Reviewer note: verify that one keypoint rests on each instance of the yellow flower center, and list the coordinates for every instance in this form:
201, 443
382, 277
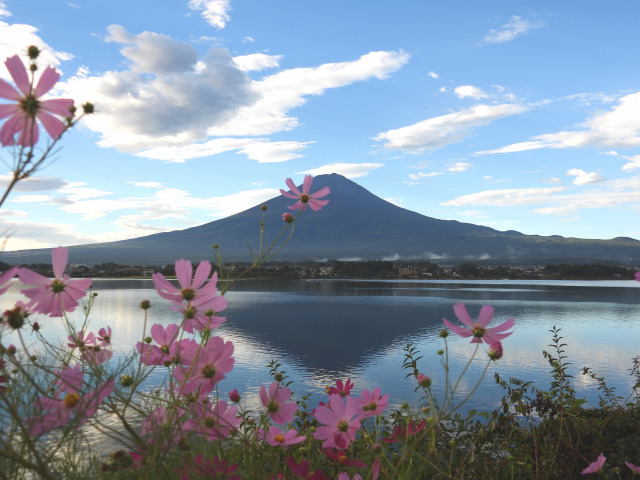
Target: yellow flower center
279, 438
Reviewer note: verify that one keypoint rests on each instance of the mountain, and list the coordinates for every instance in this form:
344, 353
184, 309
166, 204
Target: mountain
355, 224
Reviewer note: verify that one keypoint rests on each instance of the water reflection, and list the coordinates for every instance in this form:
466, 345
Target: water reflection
325, 330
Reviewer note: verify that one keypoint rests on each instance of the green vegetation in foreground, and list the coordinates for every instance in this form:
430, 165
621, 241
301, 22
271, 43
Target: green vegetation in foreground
536, 434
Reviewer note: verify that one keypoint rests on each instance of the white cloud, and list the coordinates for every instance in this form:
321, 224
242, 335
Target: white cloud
584, 178
551, 180
515, 27
608, 194
460, 167
470, 91
433, 75
146, 184
617, 128
271, 152
504, 198
215, 12
169, 104
349, 170
289, 89
634, 162
3, 10
16, 38
33, 184
437, 132
419, 175
257, 61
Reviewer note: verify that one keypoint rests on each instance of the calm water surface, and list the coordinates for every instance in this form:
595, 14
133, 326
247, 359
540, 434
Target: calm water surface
323, 330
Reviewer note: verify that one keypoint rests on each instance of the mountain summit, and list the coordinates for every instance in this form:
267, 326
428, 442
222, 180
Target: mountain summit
355, 224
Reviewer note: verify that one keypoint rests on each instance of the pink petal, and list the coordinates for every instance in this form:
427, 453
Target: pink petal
461, 312
316, 205
19, 74
202, 273
306, 185
289, 194
57, 106
463, 332
12, 126
184, 271
292, 187
59, 258
30, 134
53, 125
47, 80
503, 326
8, 91
9, 109
486, 314
323, 192
32, 278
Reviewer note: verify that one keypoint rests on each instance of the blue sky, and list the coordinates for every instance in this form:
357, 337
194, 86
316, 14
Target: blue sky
516, 115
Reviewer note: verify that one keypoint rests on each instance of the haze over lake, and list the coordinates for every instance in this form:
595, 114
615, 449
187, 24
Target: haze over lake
324, 330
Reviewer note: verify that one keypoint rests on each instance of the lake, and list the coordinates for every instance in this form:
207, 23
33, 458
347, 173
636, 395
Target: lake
324, 330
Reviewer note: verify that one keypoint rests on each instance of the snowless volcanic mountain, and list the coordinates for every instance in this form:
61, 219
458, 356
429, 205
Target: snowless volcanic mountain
355, 224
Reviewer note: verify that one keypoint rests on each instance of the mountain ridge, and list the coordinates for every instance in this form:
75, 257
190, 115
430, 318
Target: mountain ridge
356, 224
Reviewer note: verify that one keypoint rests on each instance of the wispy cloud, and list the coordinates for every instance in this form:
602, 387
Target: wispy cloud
617, 128
514, 28
470, 91
215, 12
436, 132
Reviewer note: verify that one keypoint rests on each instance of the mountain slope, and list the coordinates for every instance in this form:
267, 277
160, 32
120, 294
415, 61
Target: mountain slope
355, 224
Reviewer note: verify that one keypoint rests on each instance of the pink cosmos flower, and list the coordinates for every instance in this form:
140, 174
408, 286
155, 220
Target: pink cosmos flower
342, 389
595, 466
234, 396
213, 421
345, 476
637, 276
287, 218
96, 355
68, 402
304, 197
206, 369
191, 288
495, 351
403, 432
278, 408
277, 438
340, 422
478, 329
341, 457
29, 107
301, 470
81, 340
200, 314
167, 347
8, 275
632, 467
54, 297
372, 404
104, 336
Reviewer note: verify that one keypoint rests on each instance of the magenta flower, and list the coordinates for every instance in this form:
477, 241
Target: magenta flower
276, 403
595, 466
632, 467
345, 476
423, 380
403, 432
495, 351
277, 438
29, 107
191, 288
304, 197
302, 470
68, 403
287, 218
167, 347
234, 396
478, 330
104, 336
206, 369
213, 421
340, 422
372, 404
637, 276
342, 389
54, 297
